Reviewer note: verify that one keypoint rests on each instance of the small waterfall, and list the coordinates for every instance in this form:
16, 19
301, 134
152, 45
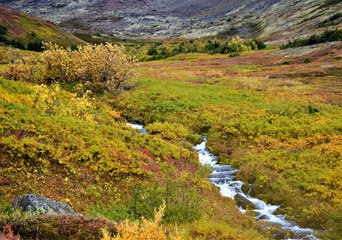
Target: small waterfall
223, 176
140, 127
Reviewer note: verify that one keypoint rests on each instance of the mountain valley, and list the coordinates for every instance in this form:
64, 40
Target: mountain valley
270, 19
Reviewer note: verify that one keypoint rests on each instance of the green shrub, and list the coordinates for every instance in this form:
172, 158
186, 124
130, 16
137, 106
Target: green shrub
114, 211
259, 43
180, 196
327, 36
36, 46
3, 29
308, 60
213, 46
234, 47
331, 2
145, 200
181, 199
168, 131
152, 51
332, 20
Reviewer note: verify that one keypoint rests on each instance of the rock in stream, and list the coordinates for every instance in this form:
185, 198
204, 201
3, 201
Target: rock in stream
243, 201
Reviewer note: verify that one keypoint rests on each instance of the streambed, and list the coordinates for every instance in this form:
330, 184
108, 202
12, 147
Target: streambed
223, 177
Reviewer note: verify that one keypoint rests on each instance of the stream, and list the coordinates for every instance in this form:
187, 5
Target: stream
223, 177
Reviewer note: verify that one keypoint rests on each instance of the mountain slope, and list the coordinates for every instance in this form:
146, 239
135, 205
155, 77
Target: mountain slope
24, 31
176, 18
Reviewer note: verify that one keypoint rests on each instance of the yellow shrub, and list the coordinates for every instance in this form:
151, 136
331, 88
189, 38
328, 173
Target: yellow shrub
140, 231
168, 131
97, 67
26, 69
103, 67
59, 64
114, 114
52, 100
9, 55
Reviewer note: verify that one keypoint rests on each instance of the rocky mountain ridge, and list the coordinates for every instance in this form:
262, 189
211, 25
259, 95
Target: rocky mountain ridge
270, 19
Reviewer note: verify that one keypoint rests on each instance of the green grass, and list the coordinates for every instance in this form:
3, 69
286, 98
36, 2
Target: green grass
98, 165
283, 140
281, 132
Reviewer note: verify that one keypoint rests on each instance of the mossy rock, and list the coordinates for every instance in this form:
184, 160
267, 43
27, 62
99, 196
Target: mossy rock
244, 202
36, 204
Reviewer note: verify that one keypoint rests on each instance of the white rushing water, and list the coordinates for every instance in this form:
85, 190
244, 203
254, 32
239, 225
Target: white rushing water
223, 176
140, 127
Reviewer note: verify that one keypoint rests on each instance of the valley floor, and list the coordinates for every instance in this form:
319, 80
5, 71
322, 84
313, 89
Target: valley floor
274, 114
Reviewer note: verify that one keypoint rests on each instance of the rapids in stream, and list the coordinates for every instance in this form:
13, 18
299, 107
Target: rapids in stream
223, 177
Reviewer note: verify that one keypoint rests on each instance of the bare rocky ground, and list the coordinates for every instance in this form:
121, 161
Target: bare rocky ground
270, 19
301, 51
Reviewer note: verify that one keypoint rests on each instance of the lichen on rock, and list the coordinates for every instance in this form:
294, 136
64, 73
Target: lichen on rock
36, 204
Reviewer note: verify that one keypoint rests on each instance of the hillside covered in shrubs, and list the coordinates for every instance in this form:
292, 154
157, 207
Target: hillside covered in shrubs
23, 31
326, 36
63, 137
272, 112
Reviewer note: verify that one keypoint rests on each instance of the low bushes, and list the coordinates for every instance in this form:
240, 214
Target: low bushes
177, 190
98, 68
327, 36
33, 45
168, 131
59, 227
148, 229
284, 144
233, 47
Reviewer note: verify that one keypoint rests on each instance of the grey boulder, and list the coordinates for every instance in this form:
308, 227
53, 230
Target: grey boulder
37, 204
243, 201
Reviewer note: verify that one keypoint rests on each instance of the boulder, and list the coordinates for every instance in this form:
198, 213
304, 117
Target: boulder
37, 204
280, 234
243, 201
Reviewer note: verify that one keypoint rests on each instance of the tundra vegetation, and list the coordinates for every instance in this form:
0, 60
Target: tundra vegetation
233, 47
326, 36
19, 30
63, 135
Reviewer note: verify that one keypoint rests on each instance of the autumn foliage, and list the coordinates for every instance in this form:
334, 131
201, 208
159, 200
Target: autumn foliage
280, 131
8, 234
97, 68
152, 229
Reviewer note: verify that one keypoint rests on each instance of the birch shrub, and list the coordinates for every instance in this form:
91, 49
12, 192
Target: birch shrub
98, 68
25, 68
103, 67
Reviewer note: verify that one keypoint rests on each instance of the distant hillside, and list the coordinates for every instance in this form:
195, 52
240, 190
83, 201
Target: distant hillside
23, 31
270, 19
